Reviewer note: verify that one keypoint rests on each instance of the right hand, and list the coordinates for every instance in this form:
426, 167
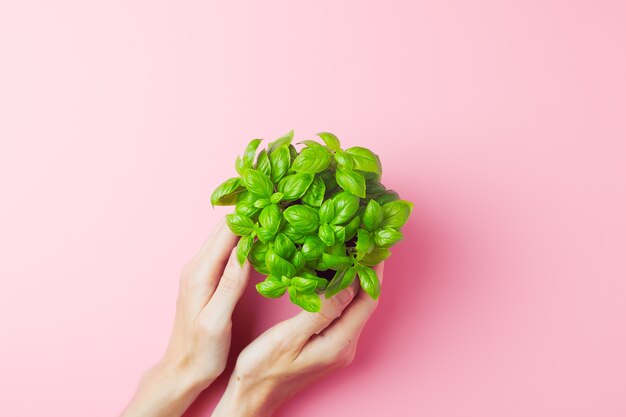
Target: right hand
295, 353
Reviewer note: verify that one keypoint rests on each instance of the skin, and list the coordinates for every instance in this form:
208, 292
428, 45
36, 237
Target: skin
276, 366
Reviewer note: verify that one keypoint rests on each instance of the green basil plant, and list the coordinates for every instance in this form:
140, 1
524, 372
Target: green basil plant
312, 220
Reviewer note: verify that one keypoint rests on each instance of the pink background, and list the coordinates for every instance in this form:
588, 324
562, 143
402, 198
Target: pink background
503, 121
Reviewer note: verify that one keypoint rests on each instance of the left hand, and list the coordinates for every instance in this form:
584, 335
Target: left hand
211, 284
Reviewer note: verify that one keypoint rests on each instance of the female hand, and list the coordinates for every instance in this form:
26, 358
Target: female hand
295, 353
211, 283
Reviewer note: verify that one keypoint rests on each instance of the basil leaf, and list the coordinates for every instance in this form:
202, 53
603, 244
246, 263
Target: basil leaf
326, 234
340, 281
293, 234
261, 202
250, 152
227, 192
245, 204
387, 197
336, 262
243, 248
352, 181
373, 216
369, 281
294, 186
303, 218
344, 160
263, 163
329, 180
280, 161
346, 206
352, 227
339, 248
272, 287
256, 256
365, 160
340, 233
264, 235
257, 183
314, 196
312, 160
304, 285
396, 213
313, 145
330, 140
276, 198
239, 224
309, 302
374, 189
364, 243
278, 265
270, 218
327, 211
312, 248
282, 141
386, 238
298, 261
283, 246
376, 256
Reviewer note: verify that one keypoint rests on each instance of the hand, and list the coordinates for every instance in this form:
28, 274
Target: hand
211, 283
295, 353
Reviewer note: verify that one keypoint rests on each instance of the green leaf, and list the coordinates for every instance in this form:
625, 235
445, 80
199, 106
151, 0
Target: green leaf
282, 141
250, 152
312, 160
336, 262
340, 281
340, 233
245, 204
293, 234
303, 284
256, 256
239, 224
314, 196
364, 243
344, 160
365, 160
263, 163
294, 186
352, 227
376, 256
227, 192
276, 198
369, 281
309, 302
313, 247
264, 235
351, 181
326, 234
302, 218
270, 218
339, 248
374, 189
346, 205
243, 248
262, 202
396, 213
386, 238
283, 246
298, 261
387, 197
240, 166
278, 265
327, 211
280, 162
272, 287
258, 183
373, 216
314, 145
330, 140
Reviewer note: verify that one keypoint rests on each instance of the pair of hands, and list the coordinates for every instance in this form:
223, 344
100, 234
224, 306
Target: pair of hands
273, 368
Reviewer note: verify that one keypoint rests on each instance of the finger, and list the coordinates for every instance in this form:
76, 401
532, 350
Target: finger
230, 288
346, 329
202, 273
305, 324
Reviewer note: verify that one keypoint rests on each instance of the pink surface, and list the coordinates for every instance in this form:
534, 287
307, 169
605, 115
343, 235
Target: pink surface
503, 121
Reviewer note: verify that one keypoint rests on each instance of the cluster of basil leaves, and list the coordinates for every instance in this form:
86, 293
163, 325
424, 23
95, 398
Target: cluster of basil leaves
320, 209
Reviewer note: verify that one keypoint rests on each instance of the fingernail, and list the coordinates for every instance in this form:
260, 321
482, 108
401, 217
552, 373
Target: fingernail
345, 295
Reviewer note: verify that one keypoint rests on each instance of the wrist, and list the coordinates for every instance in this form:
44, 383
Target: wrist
241, 401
